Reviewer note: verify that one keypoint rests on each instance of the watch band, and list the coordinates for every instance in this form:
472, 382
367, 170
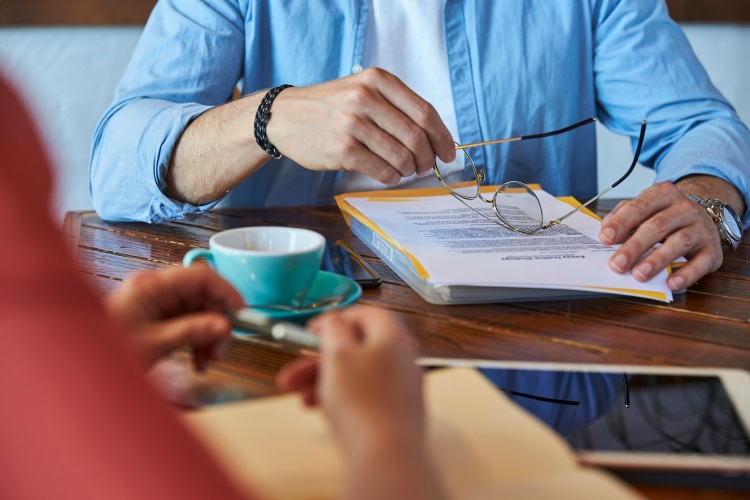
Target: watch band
725, 219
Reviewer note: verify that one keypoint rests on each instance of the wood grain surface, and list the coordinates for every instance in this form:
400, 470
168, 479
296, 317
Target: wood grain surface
707, 326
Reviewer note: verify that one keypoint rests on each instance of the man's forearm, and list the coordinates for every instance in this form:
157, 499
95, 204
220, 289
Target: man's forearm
708, 186
215, 152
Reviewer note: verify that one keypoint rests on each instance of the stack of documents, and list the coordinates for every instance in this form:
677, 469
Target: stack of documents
451, 255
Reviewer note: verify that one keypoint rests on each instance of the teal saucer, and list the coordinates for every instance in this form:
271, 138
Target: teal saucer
326, 285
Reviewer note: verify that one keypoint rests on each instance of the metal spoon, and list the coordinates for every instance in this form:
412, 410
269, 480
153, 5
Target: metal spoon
331, 301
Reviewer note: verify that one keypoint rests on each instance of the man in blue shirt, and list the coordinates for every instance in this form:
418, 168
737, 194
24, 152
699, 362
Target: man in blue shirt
172, 145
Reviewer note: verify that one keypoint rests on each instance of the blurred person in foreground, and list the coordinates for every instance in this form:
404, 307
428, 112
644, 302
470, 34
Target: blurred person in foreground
80, 421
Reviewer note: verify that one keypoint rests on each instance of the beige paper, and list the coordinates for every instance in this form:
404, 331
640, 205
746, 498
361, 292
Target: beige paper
482, 445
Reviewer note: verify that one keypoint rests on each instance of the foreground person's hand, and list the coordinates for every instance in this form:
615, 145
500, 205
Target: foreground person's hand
179, 307
370, 388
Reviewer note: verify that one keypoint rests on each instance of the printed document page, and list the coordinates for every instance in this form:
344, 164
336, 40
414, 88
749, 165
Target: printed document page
456, 246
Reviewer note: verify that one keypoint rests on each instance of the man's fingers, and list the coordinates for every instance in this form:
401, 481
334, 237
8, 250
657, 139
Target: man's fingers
673, 227
386, 129
369, 123
631, 214
376, 154
688, 240
417, 109
698, 266
655, 215
662, 214
410, 137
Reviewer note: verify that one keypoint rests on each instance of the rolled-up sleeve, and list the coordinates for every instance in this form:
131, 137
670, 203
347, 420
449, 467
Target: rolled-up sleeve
646, 69
188, 60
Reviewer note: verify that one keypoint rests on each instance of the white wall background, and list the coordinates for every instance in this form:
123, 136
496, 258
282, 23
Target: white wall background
724, 51
68, 76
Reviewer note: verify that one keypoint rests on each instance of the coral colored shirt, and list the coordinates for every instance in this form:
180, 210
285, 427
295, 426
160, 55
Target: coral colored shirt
77, 420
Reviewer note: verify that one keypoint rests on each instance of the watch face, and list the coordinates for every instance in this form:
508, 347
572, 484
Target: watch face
732, 222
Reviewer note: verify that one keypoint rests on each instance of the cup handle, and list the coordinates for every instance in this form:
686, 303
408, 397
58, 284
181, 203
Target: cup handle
198, 253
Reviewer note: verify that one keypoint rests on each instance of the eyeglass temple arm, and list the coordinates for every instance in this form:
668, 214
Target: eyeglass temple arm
541, 398
627, 174
532, 136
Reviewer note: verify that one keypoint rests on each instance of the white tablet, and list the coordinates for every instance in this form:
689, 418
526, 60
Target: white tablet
644, 423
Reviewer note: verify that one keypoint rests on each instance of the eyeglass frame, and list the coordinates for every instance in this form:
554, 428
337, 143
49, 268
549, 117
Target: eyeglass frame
479, 177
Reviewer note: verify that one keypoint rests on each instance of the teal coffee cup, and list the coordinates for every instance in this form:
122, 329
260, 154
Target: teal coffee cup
267, 265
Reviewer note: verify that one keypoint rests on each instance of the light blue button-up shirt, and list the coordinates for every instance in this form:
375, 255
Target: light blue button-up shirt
515, 68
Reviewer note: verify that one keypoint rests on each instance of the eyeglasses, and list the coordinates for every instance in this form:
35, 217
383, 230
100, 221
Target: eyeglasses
525, 214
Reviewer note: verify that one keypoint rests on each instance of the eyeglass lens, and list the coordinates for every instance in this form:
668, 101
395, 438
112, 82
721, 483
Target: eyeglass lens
518, 207
514, 203
463, 186
520, 212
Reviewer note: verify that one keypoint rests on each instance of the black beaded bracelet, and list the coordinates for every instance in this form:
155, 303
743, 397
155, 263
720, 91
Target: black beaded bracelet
261, 117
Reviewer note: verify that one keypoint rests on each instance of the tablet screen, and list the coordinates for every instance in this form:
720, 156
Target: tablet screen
621, 412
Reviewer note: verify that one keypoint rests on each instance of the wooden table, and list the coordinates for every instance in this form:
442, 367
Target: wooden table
709, 325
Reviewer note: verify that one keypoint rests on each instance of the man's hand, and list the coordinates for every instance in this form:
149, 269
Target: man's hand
179, 307
663, 214
369, 122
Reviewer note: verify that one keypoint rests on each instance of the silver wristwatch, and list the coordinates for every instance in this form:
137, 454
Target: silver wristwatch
726, 219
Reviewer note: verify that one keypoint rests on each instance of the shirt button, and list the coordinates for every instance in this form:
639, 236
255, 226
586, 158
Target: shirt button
356, 68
